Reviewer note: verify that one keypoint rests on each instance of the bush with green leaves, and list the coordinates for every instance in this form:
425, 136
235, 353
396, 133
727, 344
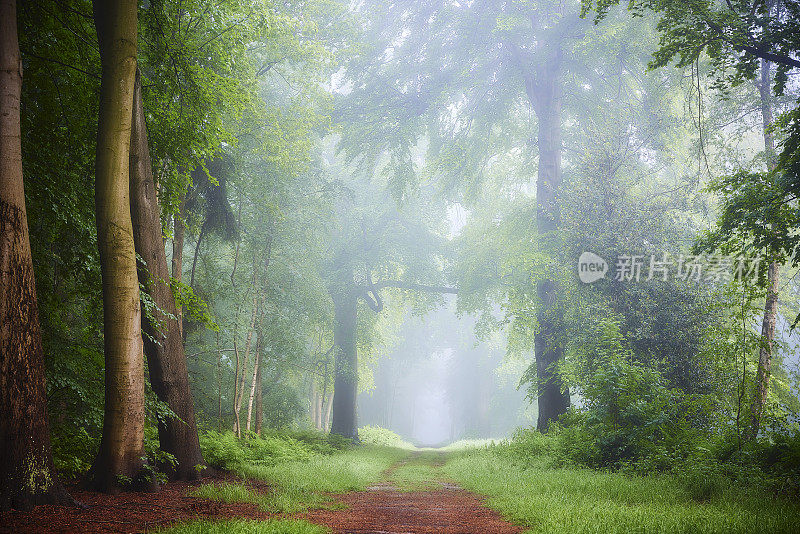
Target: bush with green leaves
224, 450
628, 413
376, 435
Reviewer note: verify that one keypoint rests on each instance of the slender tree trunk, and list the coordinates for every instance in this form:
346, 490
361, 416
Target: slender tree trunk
196, 254
326, 424
346, 368
312, 403
219, 386
255, 379
238, 392
319, 411
773, 274
163, 346
122, 443
178, 239
259, 401
27, 475
544, 92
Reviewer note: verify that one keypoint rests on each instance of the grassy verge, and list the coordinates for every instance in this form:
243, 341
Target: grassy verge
298, 485
583, 500
421, 472
281, 526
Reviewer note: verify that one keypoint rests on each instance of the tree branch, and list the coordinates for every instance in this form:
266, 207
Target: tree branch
415, 287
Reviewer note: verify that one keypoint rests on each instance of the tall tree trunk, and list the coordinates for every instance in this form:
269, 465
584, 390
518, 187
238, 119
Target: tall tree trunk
346, 367
255, 378
326, 422
163, 345
544, 92
196, 254
773, 274
178, 239
27, 475
312, 403
122, 443
259, 401
239, 380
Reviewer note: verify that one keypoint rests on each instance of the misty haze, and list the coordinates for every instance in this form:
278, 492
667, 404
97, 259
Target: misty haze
430, 266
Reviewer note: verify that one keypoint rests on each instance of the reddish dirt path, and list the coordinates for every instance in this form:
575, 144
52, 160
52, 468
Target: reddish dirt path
127, 512
384, 510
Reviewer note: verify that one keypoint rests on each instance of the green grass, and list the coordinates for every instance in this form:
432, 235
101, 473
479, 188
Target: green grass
583, 500
421, 472
351, 470
277, 526
296, 486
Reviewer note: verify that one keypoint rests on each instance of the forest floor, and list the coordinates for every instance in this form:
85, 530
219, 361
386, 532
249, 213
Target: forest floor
389, 490
411, 496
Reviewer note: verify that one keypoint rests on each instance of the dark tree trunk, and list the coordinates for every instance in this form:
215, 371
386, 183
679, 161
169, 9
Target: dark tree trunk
27, 475
346, 377
163, 345
544, 92
122, 446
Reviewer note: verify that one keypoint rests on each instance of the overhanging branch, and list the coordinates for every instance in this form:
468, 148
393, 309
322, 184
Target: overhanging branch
415, 287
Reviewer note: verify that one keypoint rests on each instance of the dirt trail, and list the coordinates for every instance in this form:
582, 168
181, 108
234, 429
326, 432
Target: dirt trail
386, 509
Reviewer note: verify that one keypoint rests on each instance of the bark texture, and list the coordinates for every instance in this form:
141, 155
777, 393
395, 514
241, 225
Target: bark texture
27, 475
122, 444
163, 344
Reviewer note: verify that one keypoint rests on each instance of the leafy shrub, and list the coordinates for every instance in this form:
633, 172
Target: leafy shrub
629, 416
376, 435
222, 450
73, 451
320, 442
226, 451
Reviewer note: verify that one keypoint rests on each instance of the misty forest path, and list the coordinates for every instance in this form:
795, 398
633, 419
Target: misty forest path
414, 496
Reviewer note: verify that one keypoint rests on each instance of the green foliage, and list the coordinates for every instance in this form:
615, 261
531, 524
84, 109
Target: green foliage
74, 451
628, 413
375, 435
226, 451
195, 307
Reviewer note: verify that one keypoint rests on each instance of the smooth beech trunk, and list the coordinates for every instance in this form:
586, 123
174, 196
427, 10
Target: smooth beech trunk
346, 357
259, 401
122, 444
163, 344
326, 423
773, 274
27, 475
254, 382
544, 92
241, 370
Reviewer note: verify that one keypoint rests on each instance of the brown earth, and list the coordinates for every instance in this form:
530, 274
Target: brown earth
127, 512
450, 510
